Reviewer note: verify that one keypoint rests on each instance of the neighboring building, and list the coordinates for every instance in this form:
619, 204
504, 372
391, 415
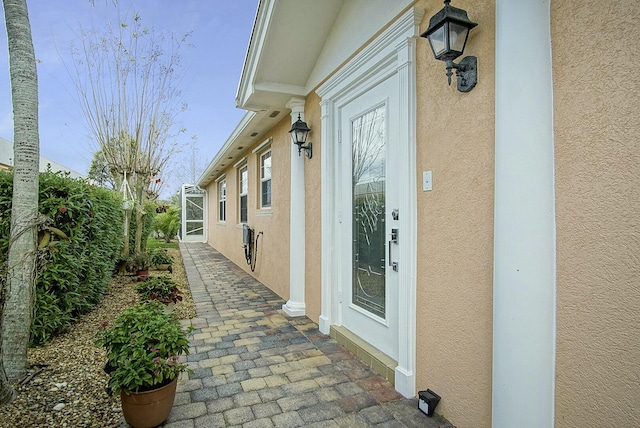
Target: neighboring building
499, 266
6, 161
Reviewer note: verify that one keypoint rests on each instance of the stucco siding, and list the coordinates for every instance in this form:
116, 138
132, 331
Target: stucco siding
455, 140
272, 264
597, 130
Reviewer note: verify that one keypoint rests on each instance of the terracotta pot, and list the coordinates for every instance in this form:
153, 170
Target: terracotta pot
148, 409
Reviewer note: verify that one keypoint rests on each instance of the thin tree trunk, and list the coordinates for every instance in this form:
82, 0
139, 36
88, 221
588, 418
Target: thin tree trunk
18, 307
6, 392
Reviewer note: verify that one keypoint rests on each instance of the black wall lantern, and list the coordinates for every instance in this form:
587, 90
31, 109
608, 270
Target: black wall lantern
299, 132
447, 34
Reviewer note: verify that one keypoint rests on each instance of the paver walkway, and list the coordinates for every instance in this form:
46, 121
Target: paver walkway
253, 366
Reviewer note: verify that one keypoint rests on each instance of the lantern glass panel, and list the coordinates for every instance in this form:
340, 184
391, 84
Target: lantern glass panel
437, 41
457, 36
299, 136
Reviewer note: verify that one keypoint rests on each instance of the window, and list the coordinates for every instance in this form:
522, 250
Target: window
222, 200
265, 179
244, 190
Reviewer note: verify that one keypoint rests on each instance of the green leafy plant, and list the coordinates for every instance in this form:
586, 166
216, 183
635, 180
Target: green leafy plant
139, 261
160, 258
143, 348
77, 248
160, 288
168, 223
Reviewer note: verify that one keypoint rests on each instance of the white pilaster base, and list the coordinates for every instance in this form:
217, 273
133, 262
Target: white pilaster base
294, 309
324, 325
405, 382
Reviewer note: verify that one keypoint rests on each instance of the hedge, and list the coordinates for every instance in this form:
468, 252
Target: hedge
77, 269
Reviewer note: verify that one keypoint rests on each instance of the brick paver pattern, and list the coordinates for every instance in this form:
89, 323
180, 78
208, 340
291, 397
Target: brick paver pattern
253, 366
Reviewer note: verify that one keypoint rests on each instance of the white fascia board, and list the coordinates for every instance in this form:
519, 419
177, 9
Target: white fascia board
224, 150
256, 45
281, 88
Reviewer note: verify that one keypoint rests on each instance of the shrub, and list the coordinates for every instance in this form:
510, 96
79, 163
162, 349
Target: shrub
160, 258
77, 270
139, 261
160, 288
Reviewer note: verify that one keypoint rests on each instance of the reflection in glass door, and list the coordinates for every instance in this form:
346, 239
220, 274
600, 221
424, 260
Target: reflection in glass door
368, 191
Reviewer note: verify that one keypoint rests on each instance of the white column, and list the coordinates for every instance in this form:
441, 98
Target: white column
524, 224
295, 306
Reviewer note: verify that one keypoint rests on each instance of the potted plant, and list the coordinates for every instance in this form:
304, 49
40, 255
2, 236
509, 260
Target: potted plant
139, 263
160, 288
143, 347
161, 260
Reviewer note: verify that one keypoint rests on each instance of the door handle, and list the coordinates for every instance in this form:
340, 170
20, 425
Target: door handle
393, 240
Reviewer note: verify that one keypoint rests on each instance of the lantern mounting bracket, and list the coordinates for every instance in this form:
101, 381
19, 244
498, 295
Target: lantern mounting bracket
466, 72
307, 149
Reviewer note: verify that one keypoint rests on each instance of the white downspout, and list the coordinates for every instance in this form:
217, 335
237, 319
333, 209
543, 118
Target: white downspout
524, 225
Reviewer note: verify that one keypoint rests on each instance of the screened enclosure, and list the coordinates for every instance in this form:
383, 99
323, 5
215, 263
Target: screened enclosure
193, 214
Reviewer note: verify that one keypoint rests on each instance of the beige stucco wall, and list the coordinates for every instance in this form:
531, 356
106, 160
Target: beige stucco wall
597, 135
272, 266
455, 140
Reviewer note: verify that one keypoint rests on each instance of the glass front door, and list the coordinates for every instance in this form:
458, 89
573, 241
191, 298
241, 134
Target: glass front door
369, 194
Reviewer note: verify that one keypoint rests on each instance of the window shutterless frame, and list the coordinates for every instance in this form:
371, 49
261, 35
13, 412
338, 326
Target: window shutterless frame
243, 186
265, 179
222, 200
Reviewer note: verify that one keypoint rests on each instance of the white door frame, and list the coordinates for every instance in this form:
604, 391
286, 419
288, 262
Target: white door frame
186, 189
392, 52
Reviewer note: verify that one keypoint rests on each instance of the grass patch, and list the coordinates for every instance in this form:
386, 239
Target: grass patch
153, 244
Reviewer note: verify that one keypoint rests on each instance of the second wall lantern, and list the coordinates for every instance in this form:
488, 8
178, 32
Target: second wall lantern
299, 132
447, 34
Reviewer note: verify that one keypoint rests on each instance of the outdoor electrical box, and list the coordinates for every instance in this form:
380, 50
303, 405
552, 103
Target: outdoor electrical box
247, 235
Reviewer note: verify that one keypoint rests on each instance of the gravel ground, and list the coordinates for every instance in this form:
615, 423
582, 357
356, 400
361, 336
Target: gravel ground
65, 385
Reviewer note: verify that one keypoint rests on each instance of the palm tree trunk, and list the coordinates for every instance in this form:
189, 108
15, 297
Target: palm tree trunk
6, 392
24, 208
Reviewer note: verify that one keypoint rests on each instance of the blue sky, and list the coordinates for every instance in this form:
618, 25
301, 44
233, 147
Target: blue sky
211, 68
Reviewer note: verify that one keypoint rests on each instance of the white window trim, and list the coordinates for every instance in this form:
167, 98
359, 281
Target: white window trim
242, 166
262, 179
219, 183
262, 145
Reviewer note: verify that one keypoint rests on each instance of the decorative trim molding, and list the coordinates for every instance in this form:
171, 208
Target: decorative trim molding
240, 163
391, 53
262, 145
